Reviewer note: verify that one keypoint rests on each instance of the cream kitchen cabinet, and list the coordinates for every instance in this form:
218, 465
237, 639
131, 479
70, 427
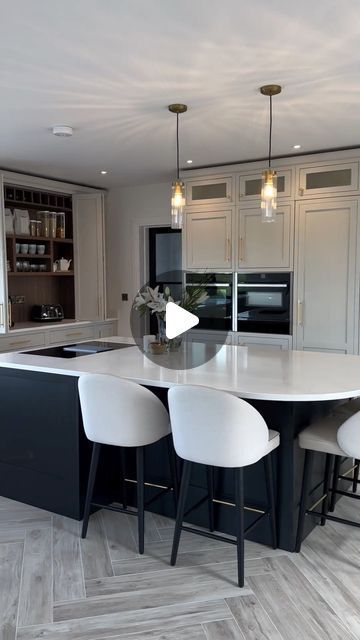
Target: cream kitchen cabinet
208, 239
326, 284
249, 186
265, 246
209, 191
327, 179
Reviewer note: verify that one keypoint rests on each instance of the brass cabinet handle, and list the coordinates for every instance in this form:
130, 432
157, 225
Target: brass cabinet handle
2, 314
240, 249
228, 250
74, 334
301, 191
19, 343
300, 313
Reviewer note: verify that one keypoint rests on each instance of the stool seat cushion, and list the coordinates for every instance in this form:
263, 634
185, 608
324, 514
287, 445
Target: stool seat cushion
274, 440
349, 436
322, 435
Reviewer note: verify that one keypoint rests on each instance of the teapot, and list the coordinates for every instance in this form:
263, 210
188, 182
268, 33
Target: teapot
63, 264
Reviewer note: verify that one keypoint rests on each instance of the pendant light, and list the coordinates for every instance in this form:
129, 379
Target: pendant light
269, 176
178, 188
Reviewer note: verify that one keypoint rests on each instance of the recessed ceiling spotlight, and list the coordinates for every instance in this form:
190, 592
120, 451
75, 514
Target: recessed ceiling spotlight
62, 130
297, 146
189, 161
103, 172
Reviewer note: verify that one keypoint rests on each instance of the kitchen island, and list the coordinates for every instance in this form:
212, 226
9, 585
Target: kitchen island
44, 455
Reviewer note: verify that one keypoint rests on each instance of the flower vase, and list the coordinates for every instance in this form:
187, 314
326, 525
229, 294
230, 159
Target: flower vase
161, 336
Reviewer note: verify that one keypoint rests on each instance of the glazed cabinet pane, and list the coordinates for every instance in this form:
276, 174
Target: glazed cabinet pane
209, 191
328, 179
208, 239
249, 186
265, 245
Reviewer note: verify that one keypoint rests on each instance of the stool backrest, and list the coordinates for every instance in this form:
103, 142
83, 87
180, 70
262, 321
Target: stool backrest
348, 436
121, 413
216, 428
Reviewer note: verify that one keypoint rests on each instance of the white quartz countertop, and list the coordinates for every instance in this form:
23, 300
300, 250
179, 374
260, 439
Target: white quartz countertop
249, 372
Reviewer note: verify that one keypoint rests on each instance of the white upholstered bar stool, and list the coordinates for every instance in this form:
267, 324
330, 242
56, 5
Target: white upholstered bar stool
217, 429
347, 409
123, 414
338, 437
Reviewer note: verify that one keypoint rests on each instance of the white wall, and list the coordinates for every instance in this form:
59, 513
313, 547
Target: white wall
129, 209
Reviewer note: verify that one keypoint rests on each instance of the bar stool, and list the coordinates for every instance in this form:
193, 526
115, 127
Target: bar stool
338, 437
217, 429
347, 409
123, 414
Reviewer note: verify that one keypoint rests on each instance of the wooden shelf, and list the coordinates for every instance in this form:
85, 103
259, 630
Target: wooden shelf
36, 206
37, 256
26, 274
39, 238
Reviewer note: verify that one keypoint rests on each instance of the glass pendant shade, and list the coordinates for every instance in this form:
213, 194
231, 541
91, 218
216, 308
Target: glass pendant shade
268, 195
177, 204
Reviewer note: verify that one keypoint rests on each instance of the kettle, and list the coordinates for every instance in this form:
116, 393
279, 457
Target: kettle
62, 264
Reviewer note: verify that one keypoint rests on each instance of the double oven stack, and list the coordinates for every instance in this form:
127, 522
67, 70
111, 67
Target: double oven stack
246, 302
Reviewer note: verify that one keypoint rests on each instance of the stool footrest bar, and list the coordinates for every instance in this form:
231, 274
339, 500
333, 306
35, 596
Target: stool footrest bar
333, 518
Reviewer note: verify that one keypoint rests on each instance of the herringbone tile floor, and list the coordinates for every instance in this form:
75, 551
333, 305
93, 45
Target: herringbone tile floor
55, 586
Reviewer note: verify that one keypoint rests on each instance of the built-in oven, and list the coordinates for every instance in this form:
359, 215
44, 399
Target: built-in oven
264, 302
216, 312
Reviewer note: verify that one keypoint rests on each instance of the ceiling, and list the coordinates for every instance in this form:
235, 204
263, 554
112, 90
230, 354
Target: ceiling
110, 68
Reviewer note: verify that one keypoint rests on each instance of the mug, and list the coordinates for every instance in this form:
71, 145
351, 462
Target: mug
24, 248
41, 249
32, 249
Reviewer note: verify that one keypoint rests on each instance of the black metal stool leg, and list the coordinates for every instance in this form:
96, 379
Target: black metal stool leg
271, 497
240, 537
356, 476
90, 486
185, 479
173, 469
210, 487
327, 477
308, 464
123, 476
335, 482
140, 495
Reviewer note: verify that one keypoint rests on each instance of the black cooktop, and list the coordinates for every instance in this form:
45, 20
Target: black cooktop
76, 350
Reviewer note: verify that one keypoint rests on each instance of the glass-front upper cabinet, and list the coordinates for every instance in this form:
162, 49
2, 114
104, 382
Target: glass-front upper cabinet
209, 191
249, 185
328, 179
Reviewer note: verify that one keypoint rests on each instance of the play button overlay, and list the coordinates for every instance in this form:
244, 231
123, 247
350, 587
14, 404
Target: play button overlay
174, 321
178, 320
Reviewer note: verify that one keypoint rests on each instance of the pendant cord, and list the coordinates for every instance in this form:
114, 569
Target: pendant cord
177, 146
270, 131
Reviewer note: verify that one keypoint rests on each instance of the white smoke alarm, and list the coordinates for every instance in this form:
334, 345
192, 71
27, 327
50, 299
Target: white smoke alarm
62, 130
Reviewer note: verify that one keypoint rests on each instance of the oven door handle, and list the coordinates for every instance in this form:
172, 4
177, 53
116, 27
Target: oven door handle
247, 285
206, 286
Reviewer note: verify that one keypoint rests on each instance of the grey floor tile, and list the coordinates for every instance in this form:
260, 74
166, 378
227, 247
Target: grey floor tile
11, 556
120, 624
252, 619
35, 605
68, 572
223, 630
94, 550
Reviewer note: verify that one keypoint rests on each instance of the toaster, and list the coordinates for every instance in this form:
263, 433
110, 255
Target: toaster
47, 312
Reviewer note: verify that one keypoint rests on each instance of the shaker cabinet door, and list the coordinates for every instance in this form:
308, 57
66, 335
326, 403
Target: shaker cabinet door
324, 302
88, 210
263, 245
208, 239
3, 263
